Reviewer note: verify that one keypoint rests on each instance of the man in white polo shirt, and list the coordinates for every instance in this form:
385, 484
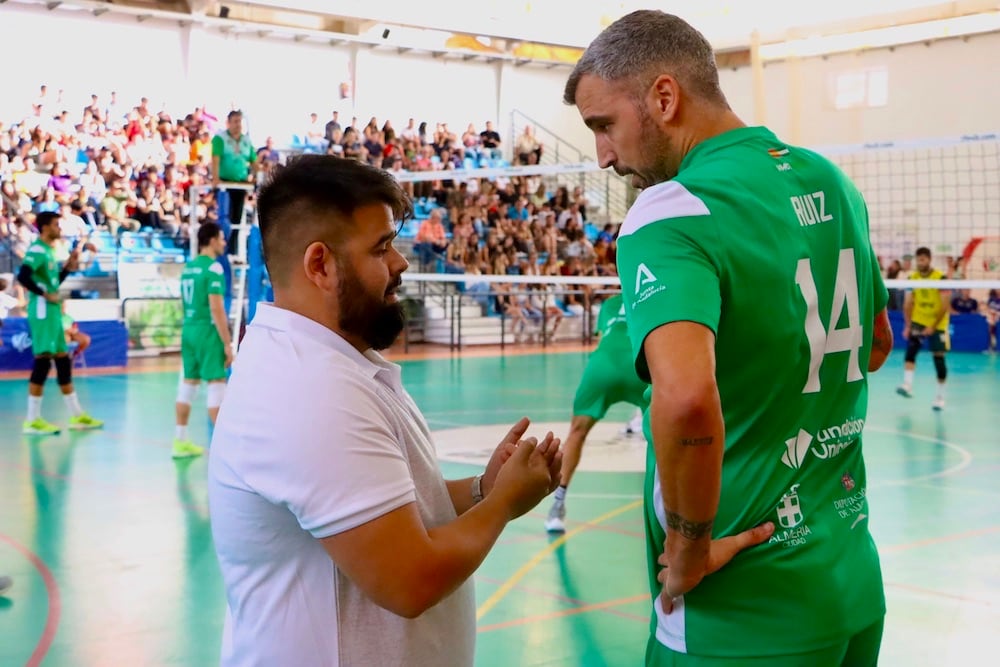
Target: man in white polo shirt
340, 542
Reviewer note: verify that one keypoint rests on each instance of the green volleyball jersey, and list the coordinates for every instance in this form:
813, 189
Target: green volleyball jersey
201, 277
611, 320
767, 245
41, 259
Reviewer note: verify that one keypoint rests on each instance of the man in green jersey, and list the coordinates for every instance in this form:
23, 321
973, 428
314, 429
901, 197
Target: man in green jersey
755, 309
41, 276
206, 348
608, 379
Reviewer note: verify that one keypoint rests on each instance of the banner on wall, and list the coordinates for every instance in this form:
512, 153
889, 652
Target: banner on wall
148, 277
108, 344
154, 325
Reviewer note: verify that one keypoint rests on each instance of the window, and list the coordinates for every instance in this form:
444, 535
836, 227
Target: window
860, 88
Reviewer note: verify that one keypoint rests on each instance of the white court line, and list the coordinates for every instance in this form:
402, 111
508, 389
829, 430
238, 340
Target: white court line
947, 472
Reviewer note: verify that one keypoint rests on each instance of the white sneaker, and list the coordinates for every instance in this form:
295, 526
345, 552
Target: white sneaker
905, 390
634, 426
938, 404
555, 522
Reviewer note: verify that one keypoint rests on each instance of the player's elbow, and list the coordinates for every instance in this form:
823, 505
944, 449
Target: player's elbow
685, 403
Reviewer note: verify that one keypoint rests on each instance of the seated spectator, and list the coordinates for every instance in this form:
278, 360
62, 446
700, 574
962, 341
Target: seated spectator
964, 303
431, 238
115, 207
528, 147
490, 141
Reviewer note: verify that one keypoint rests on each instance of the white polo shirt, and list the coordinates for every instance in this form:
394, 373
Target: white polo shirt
313, 439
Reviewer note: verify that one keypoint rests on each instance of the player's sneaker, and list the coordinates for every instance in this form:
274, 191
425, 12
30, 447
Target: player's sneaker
6, 583
634, 426
905, 390
40, 427
84, 422
555, 522
185, 449
938, 404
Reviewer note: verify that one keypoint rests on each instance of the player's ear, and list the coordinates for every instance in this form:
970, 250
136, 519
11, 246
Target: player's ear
320, 266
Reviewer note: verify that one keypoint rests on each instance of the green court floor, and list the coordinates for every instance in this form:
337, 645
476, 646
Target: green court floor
109, 544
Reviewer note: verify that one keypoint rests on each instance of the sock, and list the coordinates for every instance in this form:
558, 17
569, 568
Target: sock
941, 386
73, 403
181, 433
34, 408
560, 494
908, 378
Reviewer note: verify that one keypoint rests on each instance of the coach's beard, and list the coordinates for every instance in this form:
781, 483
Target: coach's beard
374, 321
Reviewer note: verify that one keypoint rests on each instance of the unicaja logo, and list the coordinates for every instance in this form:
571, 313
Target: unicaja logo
849, 429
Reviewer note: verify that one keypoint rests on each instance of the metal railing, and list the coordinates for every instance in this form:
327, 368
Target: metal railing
605, 190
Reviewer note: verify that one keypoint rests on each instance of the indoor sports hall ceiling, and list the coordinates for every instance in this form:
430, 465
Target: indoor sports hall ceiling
555, 31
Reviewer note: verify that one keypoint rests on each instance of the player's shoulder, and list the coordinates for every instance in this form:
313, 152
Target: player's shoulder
664, 201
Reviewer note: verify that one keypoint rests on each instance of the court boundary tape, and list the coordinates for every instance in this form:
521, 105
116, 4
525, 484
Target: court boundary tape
533, 562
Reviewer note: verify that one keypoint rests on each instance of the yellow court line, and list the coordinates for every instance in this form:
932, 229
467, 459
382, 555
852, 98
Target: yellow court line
508, 585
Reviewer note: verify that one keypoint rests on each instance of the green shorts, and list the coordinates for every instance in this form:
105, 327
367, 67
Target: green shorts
607, 379
47, 334
203, 353
861, 650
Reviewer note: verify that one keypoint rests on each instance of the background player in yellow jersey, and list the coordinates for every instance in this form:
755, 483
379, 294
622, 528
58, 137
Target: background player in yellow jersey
925, 315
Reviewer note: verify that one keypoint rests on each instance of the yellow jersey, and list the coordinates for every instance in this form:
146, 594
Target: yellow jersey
927, 303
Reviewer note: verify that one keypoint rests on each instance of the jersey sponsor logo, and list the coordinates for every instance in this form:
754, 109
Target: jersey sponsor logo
783, 166
810, 208
791, 518
830, 442
847, 481
790, 509
646, 284
852, 507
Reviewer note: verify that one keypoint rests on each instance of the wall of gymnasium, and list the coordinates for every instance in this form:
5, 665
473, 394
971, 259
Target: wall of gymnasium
938, 90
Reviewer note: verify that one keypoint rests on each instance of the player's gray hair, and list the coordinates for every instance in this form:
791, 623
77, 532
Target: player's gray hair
645, 44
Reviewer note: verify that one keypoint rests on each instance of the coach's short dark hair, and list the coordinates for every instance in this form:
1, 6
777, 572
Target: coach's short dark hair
208, 232
233, 114
924, 251
313, 198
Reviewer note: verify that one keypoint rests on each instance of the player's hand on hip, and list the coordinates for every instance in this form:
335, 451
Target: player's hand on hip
525, 479
929, 331
685, 565
53, 297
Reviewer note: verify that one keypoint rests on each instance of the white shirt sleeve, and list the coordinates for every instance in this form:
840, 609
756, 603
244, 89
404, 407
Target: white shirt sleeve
342, 464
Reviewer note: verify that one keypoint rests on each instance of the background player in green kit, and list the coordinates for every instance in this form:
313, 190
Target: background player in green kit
609, 378
206, 348
756, 309
41, 276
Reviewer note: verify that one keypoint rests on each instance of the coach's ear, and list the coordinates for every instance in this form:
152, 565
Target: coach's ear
320, 266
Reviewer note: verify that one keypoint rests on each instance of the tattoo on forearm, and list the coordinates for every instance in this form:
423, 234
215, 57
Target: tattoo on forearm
692, 530
696, 442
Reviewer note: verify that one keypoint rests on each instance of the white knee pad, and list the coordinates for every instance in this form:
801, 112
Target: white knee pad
216, 390
186, 392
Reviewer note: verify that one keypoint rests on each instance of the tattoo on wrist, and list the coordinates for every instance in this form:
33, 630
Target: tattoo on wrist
697, 442
692, 530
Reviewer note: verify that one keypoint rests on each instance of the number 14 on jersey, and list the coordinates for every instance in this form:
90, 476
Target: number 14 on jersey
829, 339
